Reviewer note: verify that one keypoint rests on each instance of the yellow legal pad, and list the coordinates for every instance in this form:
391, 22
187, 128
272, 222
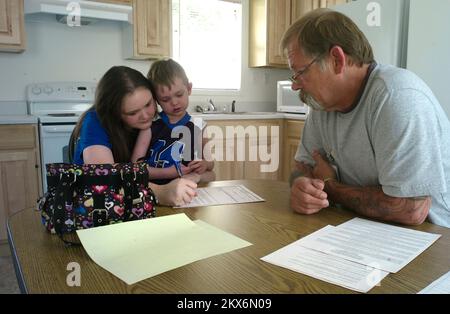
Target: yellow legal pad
137, 250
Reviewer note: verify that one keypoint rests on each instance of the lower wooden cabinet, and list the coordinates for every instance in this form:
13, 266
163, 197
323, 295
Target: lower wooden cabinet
250, 150
19, 171
291, 139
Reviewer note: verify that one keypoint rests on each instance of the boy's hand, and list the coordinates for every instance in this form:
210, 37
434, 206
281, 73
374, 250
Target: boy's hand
185, 169
198, 166
193, 177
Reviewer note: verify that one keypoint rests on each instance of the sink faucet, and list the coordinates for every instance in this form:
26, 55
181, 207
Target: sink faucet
211, 105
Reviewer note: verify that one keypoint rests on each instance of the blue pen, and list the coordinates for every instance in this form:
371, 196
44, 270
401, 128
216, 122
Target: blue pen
178, 167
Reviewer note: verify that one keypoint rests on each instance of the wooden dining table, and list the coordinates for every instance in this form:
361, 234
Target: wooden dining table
41, 259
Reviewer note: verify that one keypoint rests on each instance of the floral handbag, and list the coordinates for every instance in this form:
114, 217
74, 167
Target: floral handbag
85, 196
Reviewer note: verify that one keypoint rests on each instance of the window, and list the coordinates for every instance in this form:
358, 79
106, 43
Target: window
207, 42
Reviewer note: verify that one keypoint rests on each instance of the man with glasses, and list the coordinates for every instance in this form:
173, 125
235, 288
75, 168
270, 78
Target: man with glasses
377, 141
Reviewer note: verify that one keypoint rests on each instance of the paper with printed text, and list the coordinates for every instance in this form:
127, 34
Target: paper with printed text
223, 195
376, 244
326, 267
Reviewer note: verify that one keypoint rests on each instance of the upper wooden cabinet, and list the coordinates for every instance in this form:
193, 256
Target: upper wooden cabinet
150, 35
126, 2
268, 21
12, 26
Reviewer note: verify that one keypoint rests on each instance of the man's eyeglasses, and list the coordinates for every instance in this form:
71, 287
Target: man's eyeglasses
294, 78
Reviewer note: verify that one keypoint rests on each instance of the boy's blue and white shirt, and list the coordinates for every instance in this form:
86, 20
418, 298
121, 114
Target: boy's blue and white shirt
180, 142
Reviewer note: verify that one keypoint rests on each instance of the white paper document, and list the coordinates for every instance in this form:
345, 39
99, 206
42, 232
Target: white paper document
375, 244
223, 195
326, 267
439, 286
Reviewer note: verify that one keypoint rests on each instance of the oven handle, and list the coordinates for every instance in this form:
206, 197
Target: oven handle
58, 128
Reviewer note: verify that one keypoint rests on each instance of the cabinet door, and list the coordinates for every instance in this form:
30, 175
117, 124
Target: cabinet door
123, 2
19, 184
335, 2
227, 168
19, 170
300, 7
255, 169
279, 19
226, 163
250, 147
292, 136
289, 151
12, 28
263, 158
152, 29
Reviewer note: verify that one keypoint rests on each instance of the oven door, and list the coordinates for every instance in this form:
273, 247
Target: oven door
54, 142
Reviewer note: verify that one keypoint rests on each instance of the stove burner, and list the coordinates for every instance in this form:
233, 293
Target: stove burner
62, 114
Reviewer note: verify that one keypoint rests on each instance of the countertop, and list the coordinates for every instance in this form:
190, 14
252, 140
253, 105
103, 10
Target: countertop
15, 112
28, 119
18, 119
248, 116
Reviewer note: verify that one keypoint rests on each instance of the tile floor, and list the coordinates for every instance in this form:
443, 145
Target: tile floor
8, 281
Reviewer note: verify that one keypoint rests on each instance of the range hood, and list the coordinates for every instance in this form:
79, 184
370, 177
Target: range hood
89, 10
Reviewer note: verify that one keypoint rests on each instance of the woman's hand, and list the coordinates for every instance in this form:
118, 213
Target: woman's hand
177, 192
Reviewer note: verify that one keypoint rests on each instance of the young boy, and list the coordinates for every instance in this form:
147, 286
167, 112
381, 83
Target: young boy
175, 141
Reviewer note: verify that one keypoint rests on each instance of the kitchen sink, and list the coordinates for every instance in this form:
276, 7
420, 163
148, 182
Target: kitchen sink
224, 112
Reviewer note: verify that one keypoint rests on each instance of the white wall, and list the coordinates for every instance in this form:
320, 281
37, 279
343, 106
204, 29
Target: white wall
56, 52
429, 46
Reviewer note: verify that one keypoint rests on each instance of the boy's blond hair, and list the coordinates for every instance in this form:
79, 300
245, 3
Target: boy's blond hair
164, 72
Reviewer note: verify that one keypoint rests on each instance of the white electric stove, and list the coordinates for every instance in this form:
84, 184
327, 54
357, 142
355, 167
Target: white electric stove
58, 106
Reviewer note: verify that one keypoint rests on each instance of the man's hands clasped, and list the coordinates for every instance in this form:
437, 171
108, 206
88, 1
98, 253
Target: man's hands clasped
308, 194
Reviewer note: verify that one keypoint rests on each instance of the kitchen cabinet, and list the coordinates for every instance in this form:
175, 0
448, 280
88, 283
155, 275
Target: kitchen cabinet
300, 7
250, 148
150, 35
123, 2
19, 171
292, 135
268, 21
12, 26
335, 2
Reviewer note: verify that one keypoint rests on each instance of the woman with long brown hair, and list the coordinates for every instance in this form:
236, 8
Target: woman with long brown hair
106, 133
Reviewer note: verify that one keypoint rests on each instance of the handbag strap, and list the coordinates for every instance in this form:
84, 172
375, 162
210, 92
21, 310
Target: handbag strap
130, 191
63, 193
116, 180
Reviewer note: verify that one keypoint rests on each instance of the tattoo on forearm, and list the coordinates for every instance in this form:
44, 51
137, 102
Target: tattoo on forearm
372, 202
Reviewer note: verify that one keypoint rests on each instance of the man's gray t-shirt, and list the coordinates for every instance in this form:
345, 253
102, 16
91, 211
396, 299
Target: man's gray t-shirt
398, 136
